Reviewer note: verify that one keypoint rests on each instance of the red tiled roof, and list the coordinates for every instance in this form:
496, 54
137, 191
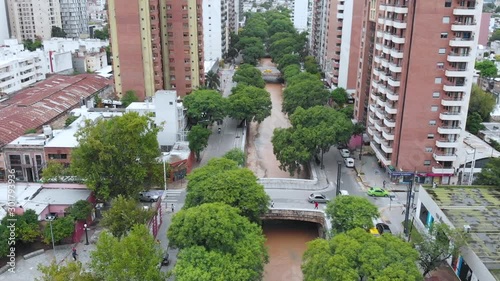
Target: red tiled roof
45, 101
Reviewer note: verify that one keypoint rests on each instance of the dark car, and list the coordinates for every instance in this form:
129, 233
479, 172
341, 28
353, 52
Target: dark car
165, 261
383, 228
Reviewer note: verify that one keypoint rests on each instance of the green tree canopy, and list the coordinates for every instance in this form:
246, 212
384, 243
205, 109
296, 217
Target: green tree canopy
117, 156
251, 55
289, 149
73, 271
55, 172
31, 45
129, 97
198, 139
301, 77
102, 34
134, 257
249, 75
124, 214
81, 210
249, 103
305, 94
310, 65
481, 102
70, 120
247, 42
212, 80
237, 155
288, 59
281, 25
495, 35
214, 166
350, 212
490, 174
487, 68
61, 228
474, 121
358, 255
27, 230
290, 71
340, 96
58, 32
236, 187
205, 106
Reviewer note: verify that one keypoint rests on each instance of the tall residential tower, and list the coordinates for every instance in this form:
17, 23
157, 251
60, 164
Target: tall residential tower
29, 19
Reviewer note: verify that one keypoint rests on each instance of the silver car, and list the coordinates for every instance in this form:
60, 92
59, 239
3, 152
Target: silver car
317, 197
146, 196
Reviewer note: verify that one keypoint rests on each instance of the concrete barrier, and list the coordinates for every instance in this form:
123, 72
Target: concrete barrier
298, 184
4, 268
33, 254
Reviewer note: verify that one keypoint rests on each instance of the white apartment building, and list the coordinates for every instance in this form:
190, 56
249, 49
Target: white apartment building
29, 19
84, 61
74, 17
301, 16
168, 114
20, 68
95, 10
220, 18
4, 22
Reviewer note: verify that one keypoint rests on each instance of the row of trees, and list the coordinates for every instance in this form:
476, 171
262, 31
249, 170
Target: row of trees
218, 231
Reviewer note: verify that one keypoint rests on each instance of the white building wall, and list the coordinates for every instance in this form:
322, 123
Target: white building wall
60, 62
29, 19
72, 45
212, 30
300, 14
4, 25
165, 103
345, 45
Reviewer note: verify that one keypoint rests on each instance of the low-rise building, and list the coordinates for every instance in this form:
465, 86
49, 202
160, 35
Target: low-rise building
85, 61
475, 210
491, 132
180, 160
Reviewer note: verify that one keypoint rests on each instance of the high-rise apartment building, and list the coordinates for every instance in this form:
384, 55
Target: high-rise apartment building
29, 19
4, 22
74, 17
156, 45
420, 84
301, 14
220, 19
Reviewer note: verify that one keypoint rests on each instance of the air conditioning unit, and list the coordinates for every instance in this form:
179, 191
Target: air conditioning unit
467, 228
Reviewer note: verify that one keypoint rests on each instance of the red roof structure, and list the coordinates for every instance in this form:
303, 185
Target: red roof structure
42, 103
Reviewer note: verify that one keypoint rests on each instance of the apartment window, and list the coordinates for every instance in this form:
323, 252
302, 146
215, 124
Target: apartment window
446, 19
430, 136
434, 108
38, 159
428, 149
187, 77
427, 162
432, 122
435, 95
444, 35
438, 80
447, 4
442, 50
440, 65
58, 156
172, 77
27, 160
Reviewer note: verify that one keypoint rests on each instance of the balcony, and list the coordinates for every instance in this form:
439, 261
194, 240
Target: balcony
401, 10
340, 15
376, 137
370, 119
378, 47
335, 64
456, 57
369, 130
340, 7
378, 126
458, 87
374, 84
394, 68
386, 50
382, 7
398, 39
443, 171
465, 11
379, 34
460, 26
444, 157
446, 101
388, 22
462, 42
384, 62
447, 143
381, 21
379, 155
382, 76
379, 113
449, 130
396, 54
394, 82
456, 72
386, 134
336, 56
382, 89
450, 116
389, 122
391, 110
399, 24
376, 59
380, 102
392, 96
373, 96
375, 72
386, 147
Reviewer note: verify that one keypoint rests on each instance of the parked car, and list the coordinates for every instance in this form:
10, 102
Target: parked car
383, 228
377, 192
349, 162
147, 196
344, 192
345, 153
165, 261
318, 197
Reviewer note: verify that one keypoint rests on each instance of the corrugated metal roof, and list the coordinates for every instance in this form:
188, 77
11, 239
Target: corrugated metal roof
38, 105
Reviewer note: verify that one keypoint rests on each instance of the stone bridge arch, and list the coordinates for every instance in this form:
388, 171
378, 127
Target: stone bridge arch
315, 216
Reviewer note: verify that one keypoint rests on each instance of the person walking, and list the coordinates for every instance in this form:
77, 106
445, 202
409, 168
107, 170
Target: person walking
74, 254
218, 131
172, 208
272, 204
316, 205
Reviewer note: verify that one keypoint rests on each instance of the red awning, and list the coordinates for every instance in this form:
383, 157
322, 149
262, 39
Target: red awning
438, 175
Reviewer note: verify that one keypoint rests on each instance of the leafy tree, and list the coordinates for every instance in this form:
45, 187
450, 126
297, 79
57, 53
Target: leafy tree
205, 106
123, 215
212, 80
481, 102
237, 155
129, 97
198, 139
310, 65
4, 240
301, 77
435, 246
70, 120
287, 60
61, 228
358, 255
236, 187
490, 174
251, 55
289, 149
290, 71
27, 230
283, 47
350, 212
55, 172
134, 257
487, 68
249, 103
58, 272
474, 121
305, 94
102, 34
340, 96
247, 42
358, 129
495, 35
58, 32
31, 45
249, 75
347, 111
281, 25
117, 156
81, 210
213, 167
280, 35
494, 144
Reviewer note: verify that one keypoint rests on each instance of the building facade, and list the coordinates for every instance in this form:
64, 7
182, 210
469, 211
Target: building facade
301, 16
29, 19
4, 21
421, 78
85, 61
167, 35
26, 157
74, 17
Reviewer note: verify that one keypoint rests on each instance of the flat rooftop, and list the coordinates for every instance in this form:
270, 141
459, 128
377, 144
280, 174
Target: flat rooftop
28, 140
478, 207
180, 152
141, 106
24, 191
61, 196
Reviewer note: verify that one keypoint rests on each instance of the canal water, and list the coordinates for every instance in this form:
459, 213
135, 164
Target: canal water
286, 242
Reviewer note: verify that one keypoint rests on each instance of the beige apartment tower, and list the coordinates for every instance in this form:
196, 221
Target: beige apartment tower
29, 19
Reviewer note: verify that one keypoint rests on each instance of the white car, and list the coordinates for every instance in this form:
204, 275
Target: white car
349, 162
344, 192
345, 153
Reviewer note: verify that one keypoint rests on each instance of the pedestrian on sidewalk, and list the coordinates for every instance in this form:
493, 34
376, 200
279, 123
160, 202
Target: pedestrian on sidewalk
272, 204
74, 254
218, 131
316, 205
383, 184
172, 208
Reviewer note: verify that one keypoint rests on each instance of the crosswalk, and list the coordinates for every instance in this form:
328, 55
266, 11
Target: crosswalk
173, 196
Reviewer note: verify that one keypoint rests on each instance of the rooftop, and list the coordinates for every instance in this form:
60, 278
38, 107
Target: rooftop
492, 130
44, 102
478, 207
179, 152
472, 144
24, 191
141, 106
28, 140
60, 196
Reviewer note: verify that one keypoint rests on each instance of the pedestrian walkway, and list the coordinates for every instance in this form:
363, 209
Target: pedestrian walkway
173, 196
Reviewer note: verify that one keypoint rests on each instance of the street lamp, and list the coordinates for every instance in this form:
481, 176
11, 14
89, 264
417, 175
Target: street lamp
86, 234
50, 219
165, 174
339, 170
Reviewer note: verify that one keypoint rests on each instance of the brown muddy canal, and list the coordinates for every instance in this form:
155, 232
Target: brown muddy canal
286, 242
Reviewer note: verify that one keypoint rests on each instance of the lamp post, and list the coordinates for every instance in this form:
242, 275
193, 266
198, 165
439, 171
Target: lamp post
86, 234
50, 219
339, 170
165, 174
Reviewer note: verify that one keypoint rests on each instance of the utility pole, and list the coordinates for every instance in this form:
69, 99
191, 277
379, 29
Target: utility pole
408, 205
339, 167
